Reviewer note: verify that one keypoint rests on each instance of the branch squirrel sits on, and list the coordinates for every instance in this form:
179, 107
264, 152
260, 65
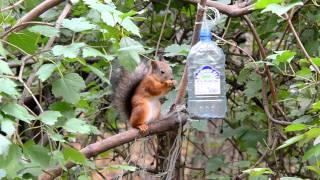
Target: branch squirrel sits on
137, 96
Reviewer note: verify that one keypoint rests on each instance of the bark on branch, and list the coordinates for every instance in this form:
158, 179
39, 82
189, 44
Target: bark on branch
36, 12
234, 10
171, 122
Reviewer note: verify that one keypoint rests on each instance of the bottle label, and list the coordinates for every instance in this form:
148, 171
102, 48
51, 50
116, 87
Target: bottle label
207, 81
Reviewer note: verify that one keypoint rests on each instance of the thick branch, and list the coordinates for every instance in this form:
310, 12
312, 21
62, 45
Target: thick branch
169, 123
36, 12
234, 10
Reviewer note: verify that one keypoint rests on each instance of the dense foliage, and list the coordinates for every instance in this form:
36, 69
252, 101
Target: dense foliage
56, 86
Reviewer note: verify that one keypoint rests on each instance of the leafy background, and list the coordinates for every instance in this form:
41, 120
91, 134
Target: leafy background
56, 89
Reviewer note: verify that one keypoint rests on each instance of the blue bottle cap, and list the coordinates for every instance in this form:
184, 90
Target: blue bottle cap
205, 34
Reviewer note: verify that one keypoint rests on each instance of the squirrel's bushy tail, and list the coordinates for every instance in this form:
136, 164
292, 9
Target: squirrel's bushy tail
126, 85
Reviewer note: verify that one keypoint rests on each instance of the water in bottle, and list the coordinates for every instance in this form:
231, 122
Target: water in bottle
206, 79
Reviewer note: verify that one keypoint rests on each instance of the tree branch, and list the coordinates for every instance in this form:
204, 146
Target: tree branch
35, 12
234, 10
171, 122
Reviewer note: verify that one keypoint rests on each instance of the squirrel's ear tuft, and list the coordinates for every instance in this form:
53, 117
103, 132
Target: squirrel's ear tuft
161, 58
154, 64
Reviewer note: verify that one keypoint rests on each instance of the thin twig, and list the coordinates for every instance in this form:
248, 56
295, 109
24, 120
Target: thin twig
11, 6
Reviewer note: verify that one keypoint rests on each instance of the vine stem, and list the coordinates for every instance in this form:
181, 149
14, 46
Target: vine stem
162, 28
300, 44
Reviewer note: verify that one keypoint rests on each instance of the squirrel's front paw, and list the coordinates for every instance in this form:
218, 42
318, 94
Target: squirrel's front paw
171, 83
143, 129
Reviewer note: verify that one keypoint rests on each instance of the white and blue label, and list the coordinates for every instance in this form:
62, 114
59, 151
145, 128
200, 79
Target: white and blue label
207, 81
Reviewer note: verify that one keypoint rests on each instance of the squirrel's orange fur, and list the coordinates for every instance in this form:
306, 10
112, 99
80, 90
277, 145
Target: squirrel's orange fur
145, 101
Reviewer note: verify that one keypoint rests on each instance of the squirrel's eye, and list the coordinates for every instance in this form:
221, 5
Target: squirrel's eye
162, 72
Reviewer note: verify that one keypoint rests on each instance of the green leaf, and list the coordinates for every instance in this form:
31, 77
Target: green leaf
280, 10
44, 30
4, 145
215, 163
283, 57
37, 153
73, 155
99, 73
69, 87
77, 24
75, 125
199, 125
50, 117
124, 167
108, 18
316, 61
304, 72
12, 161
177, 50
9, 87
45, 71
25, 40
8, 127
70, 51
260, 4
258, 171
290, 178
291, 141
316, 106
91, 52
2, 173
313, 152
295, 127
129, 53
4, 68
3, 52
128, 25
17, 111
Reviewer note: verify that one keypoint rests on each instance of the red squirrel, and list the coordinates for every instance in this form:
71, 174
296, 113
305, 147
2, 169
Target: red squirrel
138, 94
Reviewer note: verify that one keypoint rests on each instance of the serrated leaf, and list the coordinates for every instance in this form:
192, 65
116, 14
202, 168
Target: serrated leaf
295, 127
124, 167
91, 52
70, 51
69, 87
25, 40
280, 10
108, 18
50, 117
291, 141
4, 145
304, 72
199, 125
45, 71
3, 52
312, 152
47, 31
282, 57
77, 24
37, 153
129, 53
73, 155
290, 178
177, 50
258, 171
4, 68
75, 125
260, 4
128, 25
8, 87
17, 111
316, 106
99, 73
8, 127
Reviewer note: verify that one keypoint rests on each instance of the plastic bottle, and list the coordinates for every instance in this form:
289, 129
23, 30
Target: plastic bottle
206, 79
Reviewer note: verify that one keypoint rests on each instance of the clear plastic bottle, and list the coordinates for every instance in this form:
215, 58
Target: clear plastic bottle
206, 79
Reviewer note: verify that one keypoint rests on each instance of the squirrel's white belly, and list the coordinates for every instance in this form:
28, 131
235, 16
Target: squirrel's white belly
153, 107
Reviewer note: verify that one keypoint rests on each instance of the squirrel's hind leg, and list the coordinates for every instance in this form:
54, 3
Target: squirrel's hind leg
139, 117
